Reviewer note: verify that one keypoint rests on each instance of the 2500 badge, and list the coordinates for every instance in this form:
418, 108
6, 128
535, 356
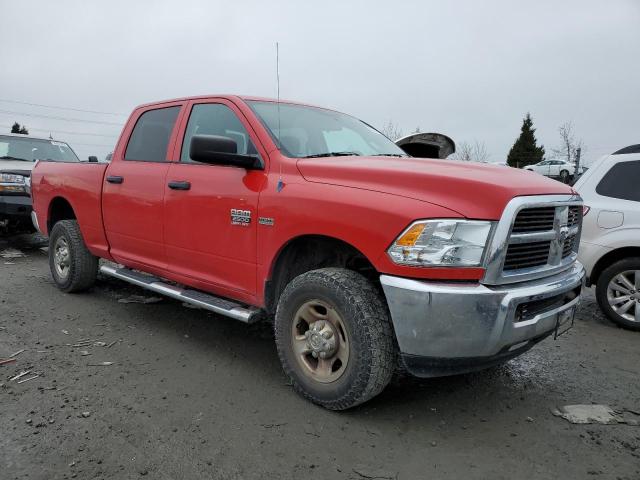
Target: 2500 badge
240, 217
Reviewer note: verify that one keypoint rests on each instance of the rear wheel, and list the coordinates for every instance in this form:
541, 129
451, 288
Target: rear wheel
73, 267
564, 176
334, 338
618, 292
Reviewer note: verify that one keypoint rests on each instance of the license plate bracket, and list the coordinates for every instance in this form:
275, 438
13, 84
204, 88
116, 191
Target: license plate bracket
564, 321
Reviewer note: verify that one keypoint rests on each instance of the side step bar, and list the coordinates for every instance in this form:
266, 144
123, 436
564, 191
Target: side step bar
207, 301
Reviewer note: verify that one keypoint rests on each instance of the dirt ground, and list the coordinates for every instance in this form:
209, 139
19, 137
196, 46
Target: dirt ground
189, 395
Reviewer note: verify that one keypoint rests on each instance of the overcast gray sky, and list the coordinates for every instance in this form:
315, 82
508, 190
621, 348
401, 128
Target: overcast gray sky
468, 69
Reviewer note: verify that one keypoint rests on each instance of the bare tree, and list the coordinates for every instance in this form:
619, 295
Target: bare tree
392, 131
569, 144
471, 152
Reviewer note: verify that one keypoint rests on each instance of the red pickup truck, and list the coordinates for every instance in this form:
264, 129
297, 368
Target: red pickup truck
365, 259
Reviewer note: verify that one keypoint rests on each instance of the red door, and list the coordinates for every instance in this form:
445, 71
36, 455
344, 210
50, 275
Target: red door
204, 240
134, 189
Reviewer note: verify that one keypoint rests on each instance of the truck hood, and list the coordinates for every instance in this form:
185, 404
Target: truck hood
474, 190
15, 166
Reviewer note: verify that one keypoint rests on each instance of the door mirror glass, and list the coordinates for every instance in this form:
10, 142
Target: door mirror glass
220, 150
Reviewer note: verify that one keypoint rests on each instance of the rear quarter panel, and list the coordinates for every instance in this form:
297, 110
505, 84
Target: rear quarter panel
80, 184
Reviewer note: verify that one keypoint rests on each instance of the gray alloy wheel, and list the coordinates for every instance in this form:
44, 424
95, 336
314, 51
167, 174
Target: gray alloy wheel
623, 295
334, 337
73, 267
61, 257
618, 292
320, 341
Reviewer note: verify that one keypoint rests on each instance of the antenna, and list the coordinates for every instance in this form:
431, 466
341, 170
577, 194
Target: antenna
280, 185
278, 84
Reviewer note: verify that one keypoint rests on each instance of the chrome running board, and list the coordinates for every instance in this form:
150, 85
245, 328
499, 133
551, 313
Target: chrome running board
207, 301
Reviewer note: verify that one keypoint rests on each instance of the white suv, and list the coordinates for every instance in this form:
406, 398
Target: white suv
610, 243
554, 168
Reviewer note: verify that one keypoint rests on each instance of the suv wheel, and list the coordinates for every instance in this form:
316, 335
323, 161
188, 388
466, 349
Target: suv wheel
73, 267
335, 338
618, 292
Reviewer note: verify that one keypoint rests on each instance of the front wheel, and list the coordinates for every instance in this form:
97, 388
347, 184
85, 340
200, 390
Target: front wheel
73, 267
334, 338
618, 292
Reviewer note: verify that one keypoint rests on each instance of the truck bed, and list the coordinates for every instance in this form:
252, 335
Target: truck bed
81, 184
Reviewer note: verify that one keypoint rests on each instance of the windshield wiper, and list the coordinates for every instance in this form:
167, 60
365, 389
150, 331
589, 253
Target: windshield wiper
9, 157
389, 155
333, 154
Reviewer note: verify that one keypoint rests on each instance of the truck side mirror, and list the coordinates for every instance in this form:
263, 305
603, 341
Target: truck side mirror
218, 150
93, 159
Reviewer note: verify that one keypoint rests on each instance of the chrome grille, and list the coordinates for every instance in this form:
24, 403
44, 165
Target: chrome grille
568, 246
534, 219
542, 237
537, 236
526, 255
575, 213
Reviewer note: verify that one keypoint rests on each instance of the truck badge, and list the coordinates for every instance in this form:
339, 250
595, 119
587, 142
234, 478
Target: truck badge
240, 217
266, 221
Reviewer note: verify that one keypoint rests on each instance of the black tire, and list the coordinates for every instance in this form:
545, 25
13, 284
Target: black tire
83, 266
364, 314
564, 176
631, 263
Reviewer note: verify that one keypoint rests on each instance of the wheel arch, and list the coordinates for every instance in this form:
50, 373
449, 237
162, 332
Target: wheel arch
59, 209
309, 252
608, 259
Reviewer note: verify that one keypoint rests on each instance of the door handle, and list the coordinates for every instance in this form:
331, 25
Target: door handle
173, 185
115, 179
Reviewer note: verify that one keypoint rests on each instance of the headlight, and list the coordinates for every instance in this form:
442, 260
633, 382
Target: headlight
442, 243
12, 183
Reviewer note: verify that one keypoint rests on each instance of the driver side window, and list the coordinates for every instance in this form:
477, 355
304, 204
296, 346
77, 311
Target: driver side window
216, 119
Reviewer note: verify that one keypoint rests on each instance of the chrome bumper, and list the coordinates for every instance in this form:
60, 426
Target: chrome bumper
457, 321
34, 220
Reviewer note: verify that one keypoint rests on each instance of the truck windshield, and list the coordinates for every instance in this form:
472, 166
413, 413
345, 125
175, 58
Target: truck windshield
31, 149
303, 132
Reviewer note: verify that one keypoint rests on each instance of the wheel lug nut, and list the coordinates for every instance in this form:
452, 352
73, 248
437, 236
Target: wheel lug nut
327, 334
314, 354
319, 325
323, 354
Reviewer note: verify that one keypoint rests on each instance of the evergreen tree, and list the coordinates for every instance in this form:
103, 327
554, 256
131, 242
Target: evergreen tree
17, 128
525, 150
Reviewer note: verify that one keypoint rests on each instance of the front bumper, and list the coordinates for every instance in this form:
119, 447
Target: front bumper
445, 328
15, 206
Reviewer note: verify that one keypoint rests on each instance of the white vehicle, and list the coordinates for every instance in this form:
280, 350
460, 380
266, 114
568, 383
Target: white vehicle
610, 244
554, 168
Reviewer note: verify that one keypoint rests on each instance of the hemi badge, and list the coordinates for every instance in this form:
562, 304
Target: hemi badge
266, 221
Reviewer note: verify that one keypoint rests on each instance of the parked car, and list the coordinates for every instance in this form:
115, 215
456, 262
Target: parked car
362, 256
610, 245
555, 169
18, 154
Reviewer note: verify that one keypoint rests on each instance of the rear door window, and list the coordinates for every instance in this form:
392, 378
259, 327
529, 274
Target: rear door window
150, 137
621, 181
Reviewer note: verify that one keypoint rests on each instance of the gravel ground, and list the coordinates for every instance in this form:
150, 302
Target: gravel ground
191, 396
